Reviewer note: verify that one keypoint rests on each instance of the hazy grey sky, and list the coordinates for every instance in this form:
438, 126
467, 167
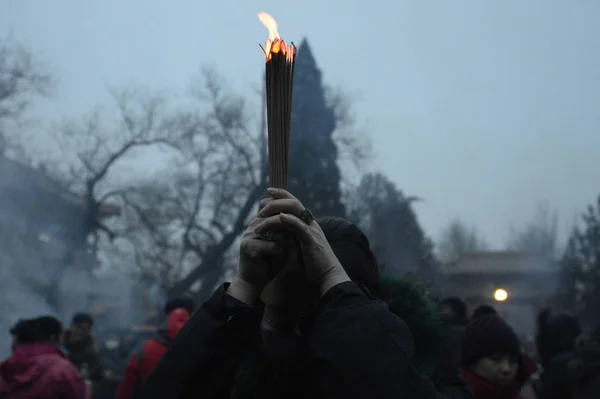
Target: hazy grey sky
483, 108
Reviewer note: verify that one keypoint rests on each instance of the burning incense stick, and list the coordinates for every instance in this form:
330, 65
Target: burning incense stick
280, 58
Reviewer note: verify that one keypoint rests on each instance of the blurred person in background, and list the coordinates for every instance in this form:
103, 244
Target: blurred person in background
114, 357
143, 362
38, 369
112, 352
453, 311
483, 310
584, 368
492, 362
82, 351
556, 337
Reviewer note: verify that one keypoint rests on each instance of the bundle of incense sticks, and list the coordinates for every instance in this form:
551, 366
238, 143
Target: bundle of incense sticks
279, 77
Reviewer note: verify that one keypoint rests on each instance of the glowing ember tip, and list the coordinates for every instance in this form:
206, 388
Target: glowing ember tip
275, 43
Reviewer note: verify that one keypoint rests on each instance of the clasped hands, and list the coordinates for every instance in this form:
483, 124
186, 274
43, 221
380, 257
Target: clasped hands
283, 212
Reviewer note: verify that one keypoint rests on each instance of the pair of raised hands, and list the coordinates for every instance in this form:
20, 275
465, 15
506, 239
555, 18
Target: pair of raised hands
282, 212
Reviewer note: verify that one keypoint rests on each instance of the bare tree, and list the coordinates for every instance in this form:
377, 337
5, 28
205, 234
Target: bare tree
183, 224
90, 149
458, 239
353, 144
539, 236
21, 80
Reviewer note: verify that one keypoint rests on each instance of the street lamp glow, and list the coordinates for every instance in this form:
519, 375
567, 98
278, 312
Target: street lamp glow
500, 295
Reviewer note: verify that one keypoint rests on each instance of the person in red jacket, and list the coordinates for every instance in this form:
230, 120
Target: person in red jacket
37, 368
142, 364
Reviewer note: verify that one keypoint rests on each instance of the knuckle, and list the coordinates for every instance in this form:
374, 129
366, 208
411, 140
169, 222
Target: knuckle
251, 248
245, 245
298, 205
267, 207
253, 223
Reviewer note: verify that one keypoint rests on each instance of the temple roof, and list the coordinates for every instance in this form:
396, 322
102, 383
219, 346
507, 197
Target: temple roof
499, 262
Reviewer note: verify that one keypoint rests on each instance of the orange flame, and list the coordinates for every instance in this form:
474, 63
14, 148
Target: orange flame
275, 43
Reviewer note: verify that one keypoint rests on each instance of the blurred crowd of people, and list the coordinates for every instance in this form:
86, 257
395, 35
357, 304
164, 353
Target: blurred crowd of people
307, 315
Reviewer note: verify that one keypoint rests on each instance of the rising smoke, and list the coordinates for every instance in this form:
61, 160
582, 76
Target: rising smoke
34, 279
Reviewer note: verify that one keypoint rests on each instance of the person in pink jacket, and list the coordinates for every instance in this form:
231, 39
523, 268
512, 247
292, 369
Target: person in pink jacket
37, 368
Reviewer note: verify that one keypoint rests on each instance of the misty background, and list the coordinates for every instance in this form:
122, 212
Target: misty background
484, 111
470, 105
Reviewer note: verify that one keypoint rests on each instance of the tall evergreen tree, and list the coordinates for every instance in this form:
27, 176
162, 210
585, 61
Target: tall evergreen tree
580, 267
387, 218
570, 274
314, 172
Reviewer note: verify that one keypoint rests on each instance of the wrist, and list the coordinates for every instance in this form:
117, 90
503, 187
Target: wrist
244, 291
335, 277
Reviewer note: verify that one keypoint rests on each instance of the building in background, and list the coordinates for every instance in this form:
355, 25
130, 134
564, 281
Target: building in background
516, 284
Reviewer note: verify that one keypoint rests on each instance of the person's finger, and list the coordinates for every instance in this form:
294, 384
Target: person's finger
279, 193
263, 202
277, 206
297, 226
256, 248
269, 224
253, 223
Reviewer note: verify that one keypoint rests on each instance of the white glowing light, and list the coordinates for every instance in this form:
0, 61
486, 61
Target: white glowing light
500, 295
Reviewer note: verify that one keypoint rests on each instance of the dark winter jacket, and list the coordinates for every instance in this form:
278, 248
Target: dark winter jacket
354, 348
145, 360
40, 371
555, 341
585, 368
446, 373
555, 381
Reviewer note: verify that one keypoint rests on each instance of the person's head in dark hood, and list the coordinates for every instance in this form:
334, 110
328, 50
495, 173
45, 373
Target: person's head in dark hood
454, 310
289, 296
79, 333
492, 362
483, 310
557, 333
83, 322
290, 290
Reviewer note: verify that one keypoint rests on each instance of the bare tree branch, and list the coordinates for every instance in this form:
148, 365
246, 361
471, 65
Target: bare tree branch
353, 144
539, 236
187, 220
21, 81
458, 239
